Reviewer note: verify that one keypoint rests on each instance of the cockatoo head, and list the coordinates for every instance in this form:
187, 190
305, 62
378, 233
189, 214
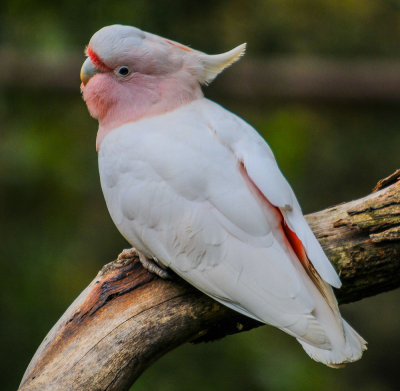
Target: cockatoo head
129, 74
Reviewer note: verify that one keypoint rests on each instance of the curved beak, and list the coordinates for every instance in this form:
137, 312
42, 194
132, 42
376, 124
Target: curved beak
88, 70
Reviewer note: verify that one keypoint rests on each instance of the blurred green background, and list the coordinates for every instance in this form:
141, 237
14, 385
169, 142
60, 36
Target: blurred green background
333, 145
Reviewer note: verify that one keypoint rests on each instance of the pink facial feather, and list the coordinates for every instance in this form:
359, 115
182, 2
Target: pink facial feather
115, 102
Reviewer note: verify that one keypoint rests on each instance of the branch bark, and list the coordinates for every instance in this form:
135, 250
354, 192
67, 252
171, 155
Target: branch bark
127, 318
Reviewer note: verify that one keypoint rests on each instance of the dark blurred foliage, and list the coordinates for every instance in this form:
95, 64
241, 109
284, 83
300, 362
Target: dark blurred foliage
328, 27
54, 226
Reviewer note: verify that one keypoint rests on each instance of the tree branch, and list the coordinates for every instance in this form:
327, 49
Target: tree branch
127, 318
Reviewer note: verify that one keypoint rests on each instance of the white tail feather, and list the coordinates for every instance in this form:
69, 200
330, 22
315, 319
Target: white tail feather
338, 356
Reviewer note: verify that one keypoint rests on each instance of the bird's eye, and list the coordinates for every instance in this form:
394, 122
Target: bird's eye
123, 71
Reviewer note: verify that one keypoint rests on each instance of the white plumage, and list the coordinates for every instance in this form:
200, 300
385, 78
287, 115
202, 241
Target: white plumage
177, 193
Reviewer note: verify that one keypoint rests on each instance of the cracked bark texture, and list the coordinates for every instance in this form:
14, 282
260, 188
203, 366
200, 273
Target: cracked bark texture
127, 318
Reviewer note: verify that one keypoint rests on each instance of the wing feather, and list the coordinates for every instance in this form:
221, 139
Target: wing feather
261, 167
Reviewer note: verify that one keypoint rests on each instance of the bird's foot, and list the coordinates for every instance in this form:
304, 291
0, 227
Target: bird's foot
149, 264
128, 254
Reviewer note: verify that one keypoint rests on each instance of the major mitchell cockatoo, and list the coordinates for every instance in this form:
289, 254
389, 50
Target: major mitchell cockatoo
194, 188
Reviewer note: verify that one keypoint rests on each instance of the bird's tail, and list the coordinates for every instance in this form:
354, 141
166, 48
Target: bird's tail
338, 356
